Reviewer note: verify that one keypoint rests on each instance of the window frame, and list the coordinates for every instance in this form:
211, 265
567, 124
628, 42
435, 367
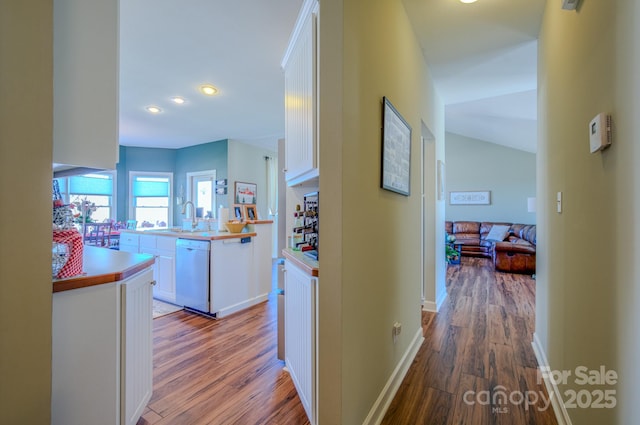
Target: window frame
133, 175
66, 195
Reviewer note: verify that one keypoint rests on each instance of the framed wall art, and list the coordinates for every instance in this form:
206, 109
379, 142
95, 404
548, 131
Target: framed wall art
396, 150
470, 198
245, 193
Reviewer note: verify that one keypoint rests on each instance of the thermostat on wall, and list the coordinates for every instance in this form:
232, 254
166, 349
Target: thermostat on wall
600, 132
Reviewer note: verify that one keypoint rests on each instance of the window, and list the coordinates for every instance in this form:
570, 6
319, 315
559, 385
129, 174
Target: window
150, 198
202, 192
96, 188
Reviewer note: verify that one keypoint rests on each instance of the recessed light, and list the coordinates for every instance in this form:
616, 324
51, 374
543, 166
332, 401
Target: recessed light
177, 99
208, 89
468, 1
153, 109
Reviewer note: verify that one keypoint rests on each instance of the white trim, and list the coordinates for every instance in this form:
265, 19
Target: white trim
440, 301
308, 7
434, 307
379, 408
132, 174
429, 306
241, 305
559, 409
214, 198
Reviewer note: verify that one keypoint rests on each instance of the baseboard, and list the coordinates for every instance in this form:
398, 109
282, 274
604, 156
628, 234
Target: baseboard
377, 412
430, 306
562, 416
241, 306
434, 307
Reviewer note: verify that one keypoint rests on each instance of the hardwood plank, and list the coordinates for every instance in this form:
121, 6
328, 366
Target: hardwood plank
480, 341
220, 371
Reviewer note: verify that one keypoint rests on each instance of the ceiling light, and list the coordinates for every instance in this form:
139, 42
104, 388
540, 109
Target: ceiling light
208, 89
153, 109
468, 1
177, 99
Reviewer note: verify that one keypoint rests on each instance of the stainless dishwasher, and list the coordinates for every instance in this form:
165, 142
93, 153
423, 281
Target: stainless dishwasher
192, 274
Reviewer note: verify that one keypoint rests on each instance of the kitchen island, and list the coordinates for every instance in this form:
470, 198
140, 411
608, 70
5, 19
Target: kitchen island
102, 340
238, 271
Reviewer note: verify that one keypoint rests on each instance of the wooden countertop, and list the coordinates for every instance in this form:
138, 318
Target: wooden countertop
211, 235
259, 221
103, 265
298, 258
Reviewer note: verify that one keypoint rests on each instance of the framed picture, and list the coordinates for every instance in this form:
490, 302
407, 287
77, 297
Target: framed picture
396, 150
238, 212
250, 212
245, 193
470, 198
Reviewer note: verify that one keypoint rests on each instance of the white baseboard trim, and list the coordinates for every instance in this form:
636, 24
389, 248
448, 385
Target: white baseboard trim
379, 408
430, 306
562, 416
434, 307
241, 306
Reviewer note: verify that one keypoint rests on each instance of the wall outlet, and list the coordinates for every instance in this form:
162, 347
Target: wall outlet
397, 329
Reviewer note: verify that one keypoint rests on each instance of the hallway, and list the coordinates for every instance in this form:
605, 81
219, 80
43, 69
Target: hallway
477, 346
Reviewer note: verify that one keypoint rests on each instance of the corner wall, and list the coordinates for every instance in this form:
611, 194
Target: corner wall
371, 264
26, 152
510, 175
246, 163
588, 275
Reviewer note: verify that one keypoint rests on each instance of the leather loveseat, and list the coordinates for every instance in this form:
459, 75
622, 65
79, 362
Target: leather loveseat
513, 250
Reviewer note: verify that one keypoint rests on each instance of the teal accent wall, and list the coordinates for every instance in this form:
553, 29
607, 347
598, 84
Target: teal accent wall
140, 159
208, 156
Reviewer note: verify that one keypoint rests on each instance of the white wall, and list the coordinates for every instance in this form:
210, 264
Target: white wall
510, 175
246, 163
588, 275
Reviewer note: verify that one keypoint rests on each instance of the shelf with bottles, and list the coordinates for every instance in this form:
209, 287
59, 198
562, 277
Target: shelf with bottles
306, 225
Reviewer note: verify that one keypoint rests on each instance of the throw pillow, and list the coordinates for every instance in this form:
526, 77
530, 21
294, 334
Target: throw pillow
498, 233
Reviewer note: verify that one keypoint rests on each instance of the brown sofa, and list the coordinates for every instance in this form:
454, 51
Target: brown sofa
515, 254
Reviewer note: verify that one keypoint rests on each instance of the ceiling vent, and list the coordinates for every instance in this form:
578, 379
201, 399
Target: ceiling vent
570, 4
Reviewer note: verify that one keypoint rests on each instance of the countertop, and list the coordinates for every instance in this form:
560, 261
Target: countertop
103, 265
211, 235
307, 264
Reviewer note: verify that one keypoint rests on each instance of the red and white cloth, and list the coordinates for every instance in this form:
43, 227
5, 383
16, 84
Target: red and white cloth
73, 239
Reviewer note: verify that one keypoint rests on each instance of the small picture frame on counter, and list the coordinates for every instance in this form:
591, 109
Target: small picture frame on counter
238, 212
250, 212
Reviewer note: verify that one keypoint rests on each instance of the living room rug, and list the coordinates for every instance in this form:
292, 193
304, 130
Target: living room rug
161, 308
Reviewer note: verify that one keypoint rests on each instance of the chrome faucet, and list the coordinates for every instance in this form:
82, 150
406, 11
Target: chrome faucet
194, 222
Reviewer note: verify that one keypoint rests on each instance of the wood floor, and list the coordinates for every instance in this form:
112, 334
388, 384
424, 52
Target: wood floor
479, 344
220, 371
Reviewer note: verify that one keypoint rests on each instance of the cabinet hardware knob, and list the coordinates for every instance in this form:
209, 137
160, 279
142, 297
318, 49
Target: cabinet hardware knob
284, 170
153, 283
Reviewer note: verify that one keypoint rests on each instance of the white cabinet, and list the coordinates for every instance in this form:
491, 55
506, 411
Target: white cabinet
300, 333
263, 257
85, 82
300, 74
102, 352
232, 276
164, 271
129, 242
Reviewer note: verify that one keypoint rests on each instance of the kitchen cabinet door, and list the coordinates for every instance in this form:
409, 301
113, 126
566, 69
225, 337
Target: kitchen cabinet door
85, 81
137, 346
300, 334
165, 276
300, 73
